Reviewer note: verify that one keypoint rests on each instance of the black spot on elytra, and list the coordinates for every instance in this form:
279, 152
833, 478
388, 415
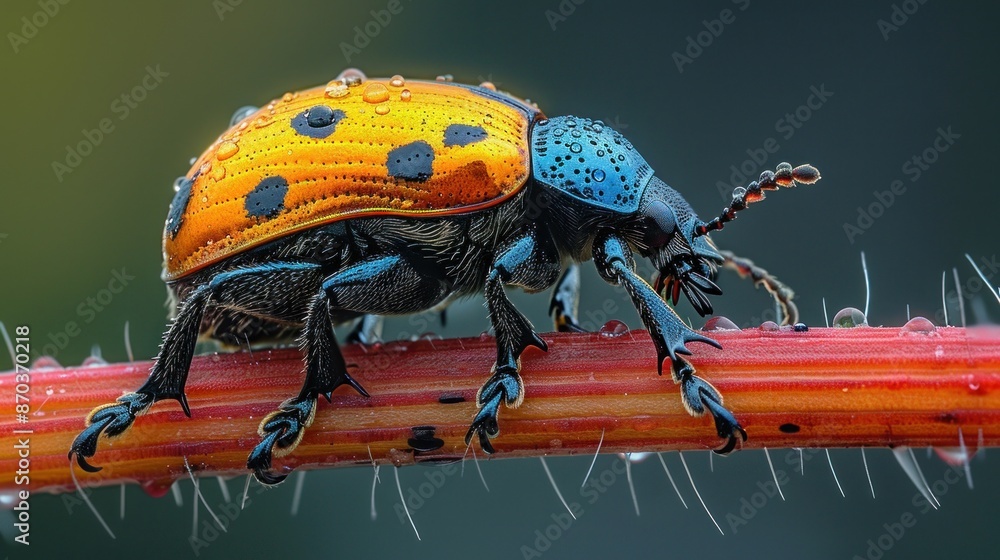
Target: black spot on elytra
411, 162
451, 399
267, 199
789, 428
463, 134
317, 122
423, 439
176, 215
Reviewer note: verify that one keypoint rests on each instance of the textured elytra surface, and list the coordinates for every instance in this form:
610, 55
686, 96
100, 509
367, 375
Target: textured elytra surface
310, 158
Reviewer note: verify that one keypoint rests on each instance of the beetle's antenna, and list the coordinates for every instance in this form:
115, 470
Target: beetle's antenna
782, 176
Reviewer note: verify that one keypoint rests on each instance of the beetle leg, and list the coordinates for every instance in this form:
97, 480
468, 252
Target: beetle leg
670, 335
367, 330
169, 372
779, 291
531, 262
380, 285
565, 301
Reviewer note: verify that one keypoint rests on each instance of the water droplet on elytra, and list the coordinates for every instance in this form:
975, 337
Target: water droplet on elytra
405, 95
488, 85
849, 317
375, 92
597, 175
613, 329
352, 77
288, 97
382, 110
226, 150
575, 147
336, 88
397, 81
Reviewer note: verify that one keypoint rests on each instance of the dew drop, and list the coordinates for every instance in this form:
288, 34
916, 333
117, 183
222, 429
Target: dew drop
405, 95
484, 336
719, 323
600, 153
263, 121
739, 192
242, 113
205, 168
445, 78
488, 85
575, 147
613, 329
397, 81
939, 352
218, 174
769, 326
800, 327
382, 109
597, 175
288, 97
226, 150
375, 92
352, 77
849, 317
918, 325
559, 132
336, 88
488, 119
157, 488
49, 391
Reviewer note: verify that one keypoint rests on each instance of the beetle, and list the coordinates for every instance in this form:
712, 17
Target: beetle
365, 198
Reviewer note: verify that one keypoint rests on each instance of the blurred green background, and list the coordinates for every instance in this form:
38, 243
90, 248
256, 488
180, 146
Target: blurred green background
698, 90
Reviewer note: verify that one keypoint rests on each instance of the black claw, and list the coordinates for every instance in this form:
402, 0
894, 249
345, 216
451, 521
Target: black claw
259, 460
85, 444
111, 421
485, 423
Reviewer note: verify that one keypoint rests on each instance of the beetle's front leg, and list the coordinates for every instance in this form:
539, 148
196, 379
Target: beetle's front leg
531, 262
670, 335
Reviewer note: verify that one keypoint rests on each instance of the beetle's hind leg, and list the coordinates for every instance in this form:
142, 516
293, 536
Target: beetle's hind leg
367, 330
242, 288
531, 262
670, 335
781, 293
379, 285
565, 303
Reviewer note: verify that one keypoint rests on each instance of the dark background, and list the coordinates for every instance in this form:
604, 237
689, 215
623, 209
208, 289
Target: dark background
60, 240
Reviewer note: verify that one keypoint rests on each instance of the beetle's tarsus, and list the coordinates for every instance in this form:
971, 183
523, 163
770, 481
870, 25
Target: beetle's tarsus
281, 431
112, 420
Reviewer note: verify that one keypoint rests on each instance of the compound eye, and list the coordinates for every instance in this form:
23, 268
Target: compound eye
663, 215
